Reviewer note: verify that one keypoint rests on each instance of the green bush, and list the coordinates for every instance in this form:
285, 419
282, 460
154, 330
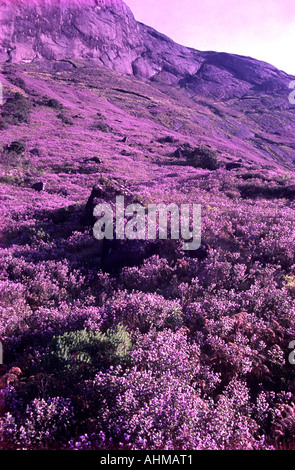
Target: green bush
13, 156
18, 81
203, 157
65, 119
102, 127
15, 147
16, 109
53, 103
83, 350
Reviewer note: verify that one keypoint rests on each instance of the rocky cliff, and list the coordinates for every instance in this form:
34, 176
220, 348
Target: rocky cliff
106, 31
238, 102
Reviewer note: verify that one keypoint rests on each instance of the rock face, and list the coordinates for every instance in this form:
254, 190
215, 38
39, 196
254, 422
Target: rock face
60, 29
239, 104
106, 31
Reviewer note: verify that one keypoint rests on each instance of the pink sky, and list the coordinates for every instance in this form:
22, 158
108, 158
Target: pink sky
263, 29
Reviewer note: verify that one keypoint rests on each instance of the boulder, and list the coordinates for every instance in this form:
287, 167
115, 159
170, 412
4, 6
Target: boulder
39, 186
233, 166
34, 151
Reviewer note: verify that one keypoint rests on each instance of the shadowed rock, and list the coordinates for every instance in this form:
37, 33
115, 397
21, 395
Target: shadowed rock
117, 254
95, 160
34, 151
104, 192
40, 186
233, 166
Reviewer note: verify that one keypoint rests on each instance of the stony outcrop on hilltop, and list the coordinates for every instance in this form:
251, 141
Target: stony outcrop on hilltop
59, 29
107, 32
242, 101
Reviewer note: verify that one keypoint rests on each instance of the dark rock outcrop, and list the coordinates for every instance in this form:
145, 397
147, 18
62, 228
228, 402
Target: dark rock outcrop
233, 165
35, 151
39, 186
104, 192
199, 157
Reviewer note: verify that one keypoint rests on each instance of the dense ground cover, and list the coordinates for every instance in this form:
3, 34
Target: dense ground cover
178, 351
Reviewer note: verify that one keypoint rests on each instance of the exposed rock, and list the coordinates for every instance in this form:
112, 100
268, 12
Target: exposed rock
34, 151
95, 160
62, 29
106, 31
104, 192
82, 34
233, 165
40, 186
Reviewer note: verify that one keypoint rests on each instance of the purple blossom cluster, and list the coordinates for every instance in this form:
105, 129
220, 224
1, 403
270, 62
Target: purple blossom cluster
207, 367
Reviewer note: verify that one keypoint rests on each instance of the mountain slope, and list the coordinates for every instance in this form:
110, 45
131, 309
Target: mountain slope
139, 344
231, 97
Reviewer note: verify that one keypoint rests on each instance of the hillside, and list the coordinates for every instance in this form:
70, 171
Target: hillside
239, 102
132, 344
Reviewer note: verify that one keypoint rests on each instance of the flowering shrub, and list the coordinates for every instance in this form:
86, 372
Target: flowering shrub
167, 351
147, 412
143, 310
140, 346
43, 424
